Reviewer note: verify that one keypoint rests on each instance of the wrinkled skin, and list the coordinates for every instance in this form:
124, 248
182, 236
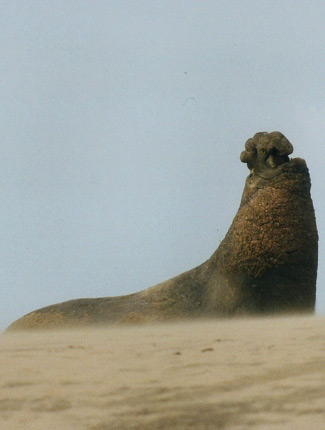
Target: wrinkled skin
267, 262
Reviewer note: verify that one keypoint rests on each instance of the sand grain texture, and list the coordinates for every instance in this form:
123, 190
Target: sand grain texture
237, 374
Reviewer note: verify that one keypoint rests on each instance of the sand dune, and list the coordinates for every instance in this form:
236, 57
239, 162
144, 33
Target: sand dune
234, 374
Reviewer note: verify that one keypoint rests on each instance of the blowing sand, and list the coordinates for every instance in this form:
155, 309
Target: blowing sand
234, 374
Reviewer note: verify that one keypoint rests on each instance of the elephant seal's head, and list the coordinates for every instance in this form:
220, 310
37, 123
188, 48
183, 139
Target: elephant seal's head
265, 152
267, 156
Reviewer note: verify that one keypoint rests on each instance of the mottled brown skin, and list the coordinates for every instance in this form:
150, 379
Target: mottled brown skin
267, 262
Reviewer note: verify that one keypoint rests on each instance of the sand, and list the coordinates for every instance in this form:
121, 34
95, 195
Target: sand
230, 374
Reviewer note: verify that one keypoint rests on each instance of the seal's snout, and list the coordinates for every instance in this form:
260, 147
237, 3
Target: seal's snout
266, 150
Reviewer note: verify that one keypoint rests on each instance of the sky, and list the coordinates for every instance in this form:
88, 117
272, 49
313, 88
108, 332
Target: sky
122, 123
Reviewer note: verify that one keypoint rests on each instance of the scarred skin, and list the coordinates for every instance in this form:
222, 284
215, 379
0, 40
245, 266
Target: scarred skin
267, 262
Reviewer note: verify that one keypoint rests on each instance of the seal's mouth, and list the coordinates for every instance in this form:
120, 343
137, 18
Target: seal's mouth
267, 154
272, 172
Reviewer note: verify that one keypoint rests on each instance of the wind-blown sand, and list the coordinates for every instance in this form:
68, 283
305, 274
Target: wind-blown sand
231, 374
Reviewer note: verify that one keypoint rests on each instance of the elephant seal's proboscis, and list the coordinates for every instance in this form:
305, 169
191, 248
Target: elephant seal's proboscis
267, 262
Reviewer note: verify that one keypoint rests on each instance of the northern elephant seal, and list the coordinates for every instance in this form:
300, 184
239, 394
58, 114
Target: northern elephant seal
266, 263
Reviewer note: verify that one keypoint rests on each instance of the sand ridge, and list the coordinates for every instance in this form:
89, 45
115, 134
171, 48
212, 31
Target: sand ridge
263, 373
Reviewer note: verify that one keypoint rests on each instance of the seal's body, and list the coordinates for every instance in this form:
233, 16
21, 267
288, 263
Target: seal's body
266, 263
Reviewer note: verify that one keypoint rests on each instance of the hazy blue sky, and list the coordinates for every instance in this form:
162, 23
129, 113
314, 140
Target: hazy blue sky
121, 127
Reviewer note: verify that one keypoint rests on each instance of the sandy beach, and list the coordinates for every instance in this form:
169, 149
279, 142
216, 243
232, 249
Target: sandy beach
232, 374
